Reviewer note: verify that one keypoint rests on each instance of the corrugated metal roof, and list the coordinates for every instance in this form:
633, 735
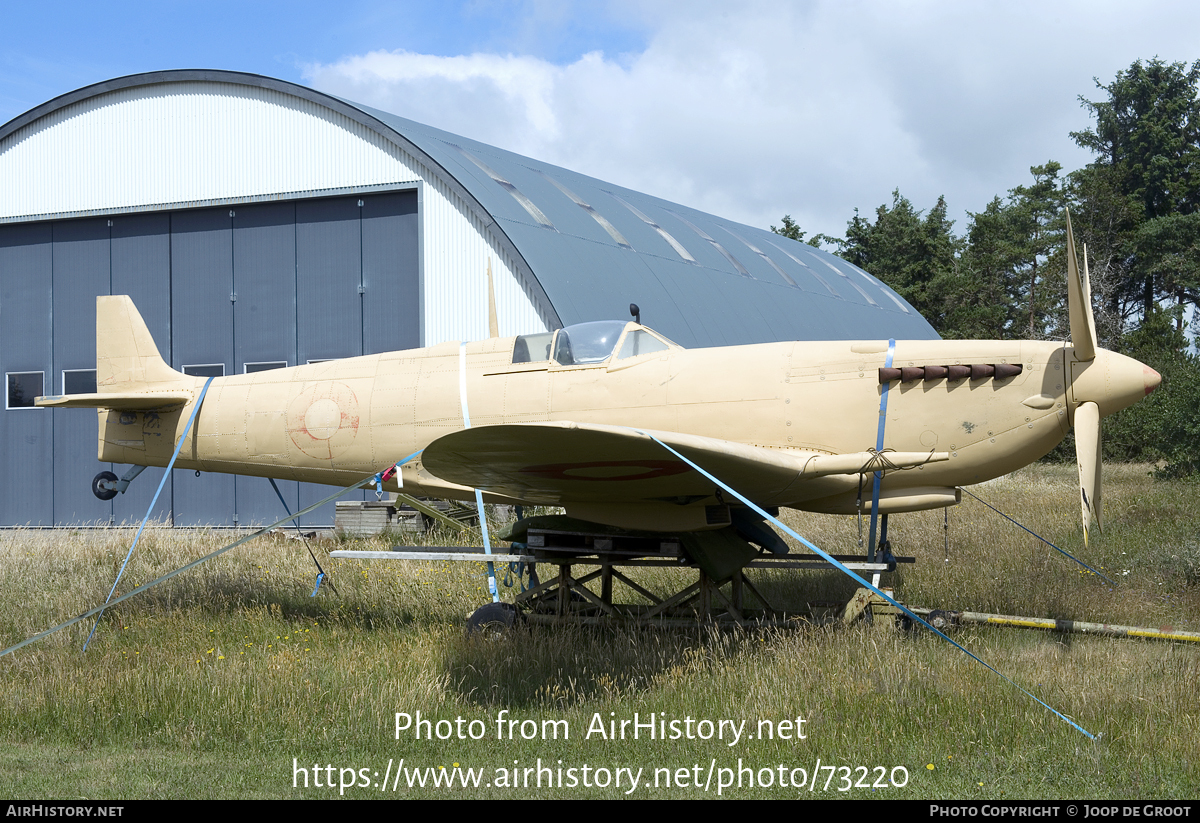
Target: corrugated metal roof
700, 279
593, 247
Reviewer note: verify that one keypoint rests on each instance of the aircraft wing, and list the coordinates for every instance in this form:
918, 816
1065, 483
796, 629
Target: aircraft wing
560, 462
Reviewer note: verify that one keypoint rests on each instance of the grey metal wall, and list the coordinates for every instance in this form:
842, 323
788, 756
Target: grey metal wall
282, 281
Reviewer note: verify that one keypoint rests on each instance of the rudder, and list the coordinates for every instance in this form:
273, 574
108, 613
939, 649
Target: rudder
126, 355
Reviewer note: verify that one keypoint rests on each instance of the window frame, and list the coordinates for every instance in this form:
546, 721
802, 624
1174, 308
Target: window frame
272, 366
185, 368
64, 374
8, 390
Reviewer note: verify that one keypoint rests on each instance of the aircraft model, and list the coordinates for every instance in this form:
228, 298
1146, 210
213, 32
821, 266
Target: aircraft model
566, 417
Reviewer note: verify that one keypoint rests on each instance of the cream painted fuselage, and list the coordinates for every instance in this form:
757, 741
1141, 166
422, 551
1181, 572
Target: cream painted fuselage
337, 421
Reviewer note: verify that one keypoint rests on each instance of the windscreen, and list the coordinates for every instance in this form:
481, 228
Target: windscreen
586, 343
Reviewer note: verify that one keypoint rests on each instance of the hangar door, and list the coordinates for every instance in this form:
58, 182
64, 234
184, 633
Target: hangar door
223, 290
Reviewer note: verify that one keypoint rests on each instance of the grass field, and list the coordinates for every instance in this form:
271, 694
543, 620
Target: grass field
230, 681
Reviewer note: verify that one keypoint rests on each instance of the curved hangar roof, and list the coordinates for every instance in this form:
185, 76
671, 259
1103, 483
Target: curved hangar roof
580, 249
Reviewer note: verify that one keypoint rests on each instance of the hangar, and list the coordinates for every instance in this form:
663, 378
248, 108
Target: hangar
258, 223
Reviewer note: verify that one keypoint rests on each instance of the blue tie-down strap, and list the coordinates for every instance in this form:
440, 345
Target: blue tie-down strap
153, 501
515, 573
189, 566
874, 589
878, 478
320, 571
487, 547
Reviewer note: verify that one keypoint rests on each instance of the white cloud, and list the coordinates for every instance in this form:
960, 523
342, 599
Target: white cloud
482, 92
810, 109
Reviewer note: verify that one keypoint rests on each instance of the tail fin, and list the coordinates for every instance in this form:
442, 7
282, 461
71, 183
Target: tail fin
126, 356
130, 373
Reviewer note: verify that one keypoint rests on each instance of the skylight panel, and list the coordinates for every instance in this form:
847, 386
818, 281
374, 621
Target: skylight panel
516, 193
809, 269
663, 233
595, 215
724, 252
786, 277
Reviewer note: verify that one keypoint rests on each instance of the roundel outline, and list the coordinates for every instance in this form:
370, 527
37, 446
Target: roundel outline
323, 442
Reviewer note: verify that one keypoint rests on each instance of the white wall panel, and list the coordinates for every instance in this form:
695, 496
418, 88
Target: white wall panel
203, 141
456, 255
179, 142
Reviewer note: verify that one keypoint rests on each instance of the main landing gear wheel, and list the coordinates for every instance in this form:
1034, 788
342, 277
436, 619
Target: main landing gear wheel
493, 618
99, 491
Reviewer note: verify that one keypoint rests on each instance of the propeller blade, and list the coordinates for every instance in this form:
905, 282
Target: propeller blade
493, 323
1087, 291
1079, 303
1087, 455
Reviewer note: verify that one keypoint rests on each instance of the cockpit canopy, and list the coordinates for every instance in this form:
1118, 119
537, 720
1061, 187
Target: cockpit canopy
586, 343
589, 343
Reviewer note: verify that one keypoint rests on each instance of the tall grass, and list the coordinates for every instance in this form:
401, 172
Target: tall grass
210, 685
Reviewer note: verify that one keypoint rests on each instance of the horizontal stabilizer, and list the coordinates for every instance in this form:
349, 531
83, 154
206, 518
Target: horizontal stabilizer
122, 402
130, 372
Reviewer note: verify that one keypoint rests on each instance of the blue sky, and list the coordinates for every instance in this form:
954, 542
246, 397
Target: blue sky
50, 48
750, 110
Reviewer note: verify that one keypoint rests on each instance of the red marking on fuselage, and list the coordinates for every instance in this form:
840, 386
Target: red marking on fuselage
335, 442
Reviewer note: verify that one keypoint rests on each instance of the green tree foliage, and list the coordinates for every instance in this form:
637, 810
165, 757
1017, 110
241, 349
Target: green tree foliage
1039, 229
1139, 209
1136, 208
1147, 132
1011, 262
1164, 427
986, 302
999, 281
914, 253
1147, 168
791, 229
1168, 251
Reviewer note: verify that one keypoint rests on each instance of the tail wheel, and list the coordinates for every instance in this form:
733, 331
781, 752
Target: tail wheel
101, 492
492, 618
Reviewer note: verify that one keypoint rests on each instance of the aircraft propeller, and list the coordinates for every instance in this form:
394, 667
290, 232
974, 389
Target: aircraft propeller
1099, 383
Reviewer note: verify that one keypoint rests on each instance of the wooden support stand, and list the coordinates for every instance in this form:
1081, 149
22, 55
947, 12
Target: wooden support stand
591, 571
581, 560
